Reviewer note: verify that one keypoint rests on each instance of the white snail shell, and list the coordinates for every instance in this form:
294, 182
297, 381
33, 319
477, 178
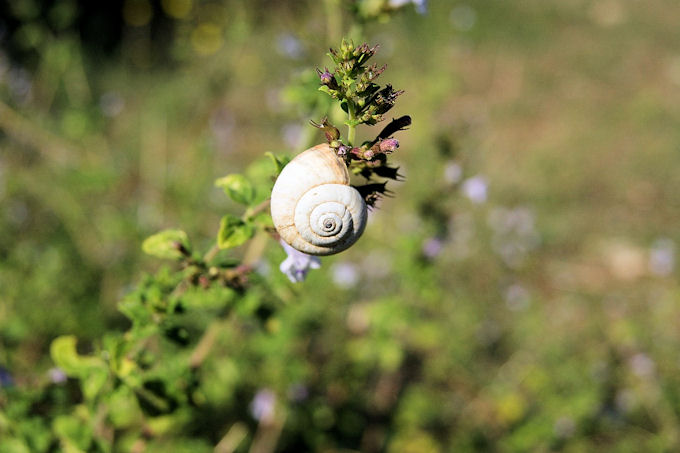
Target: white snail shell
313, 207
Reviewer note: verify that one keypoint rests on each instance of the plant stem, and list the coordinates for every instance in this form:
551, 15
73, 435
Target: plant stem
260, 208
351, 128
214, 250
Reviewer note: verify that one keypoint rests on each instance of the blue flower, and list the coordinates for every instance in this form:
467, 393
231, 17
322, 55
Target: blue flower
421, 5
6, 379
297, 264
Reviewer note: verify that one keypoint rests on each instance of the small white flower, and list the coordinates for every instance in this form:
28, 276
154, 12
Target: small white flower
289, 46
297, 264
262, 406
475, 189
345, 275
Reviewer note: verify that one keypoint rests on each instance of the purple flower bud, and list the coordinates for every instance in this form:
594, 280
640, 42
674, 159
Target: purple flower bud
327, 79
389, 145
368, 154
343, 150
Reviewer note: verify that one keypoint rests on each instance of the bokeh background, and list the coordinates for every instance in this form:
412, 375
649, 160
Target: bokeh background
518, 293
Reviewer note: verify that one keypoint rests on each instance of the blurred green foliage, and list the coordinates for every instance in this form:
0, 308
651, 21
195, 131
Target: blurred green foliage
519, 293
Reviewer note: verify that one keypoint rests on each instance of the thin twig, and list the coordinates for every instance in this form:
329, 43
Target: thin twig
232, 439
268, 432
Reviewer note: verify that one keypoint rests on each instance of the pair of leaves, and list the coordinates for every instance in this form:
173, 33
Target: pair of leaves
234, 231
170, 244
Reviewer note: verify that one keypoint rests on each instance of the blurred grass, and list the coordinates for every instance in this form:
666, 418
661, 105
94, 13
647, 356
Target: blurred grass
569, 109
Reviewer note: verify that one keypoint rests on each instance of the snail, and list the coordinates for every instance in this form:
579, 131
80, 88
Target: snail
313, 207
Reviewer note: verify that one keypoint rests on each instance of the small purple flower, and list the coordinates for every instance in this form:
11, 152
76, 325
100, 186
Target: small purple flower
289, 46
342, 150
56, 375
475, 189
662, 257
327, 78
262, 406
297, 264
345, 275
432, 248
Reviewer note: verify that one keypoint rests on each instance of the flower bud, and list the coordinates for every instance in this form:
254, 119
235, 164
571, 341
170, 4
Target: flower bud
356, 152
388, 145
327, 79
331, 132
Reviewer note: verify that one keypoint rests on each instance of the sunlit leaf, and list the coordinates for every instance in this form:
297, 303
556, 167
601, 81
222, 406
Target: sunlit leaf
238, 188
233, 232
168, 244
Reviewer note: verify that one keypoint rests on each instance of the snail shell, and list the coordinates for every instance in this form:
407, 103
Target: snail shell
313, 207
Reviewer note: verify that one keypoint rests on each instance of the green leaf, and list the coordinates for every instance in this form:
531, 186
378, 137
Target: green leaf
238, 188
65, 356
75, 435
93, 382
123, 408
233, 232
167, 244
92, 371
14, 445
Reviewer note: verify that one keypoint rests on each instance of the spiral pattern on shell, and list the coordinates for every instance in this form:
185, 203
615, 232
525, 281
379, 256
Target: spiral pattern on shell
313, 207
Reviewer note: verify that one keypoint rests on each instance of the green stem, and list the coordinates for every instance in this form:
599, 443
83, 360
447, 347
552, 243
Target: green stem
351, 128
